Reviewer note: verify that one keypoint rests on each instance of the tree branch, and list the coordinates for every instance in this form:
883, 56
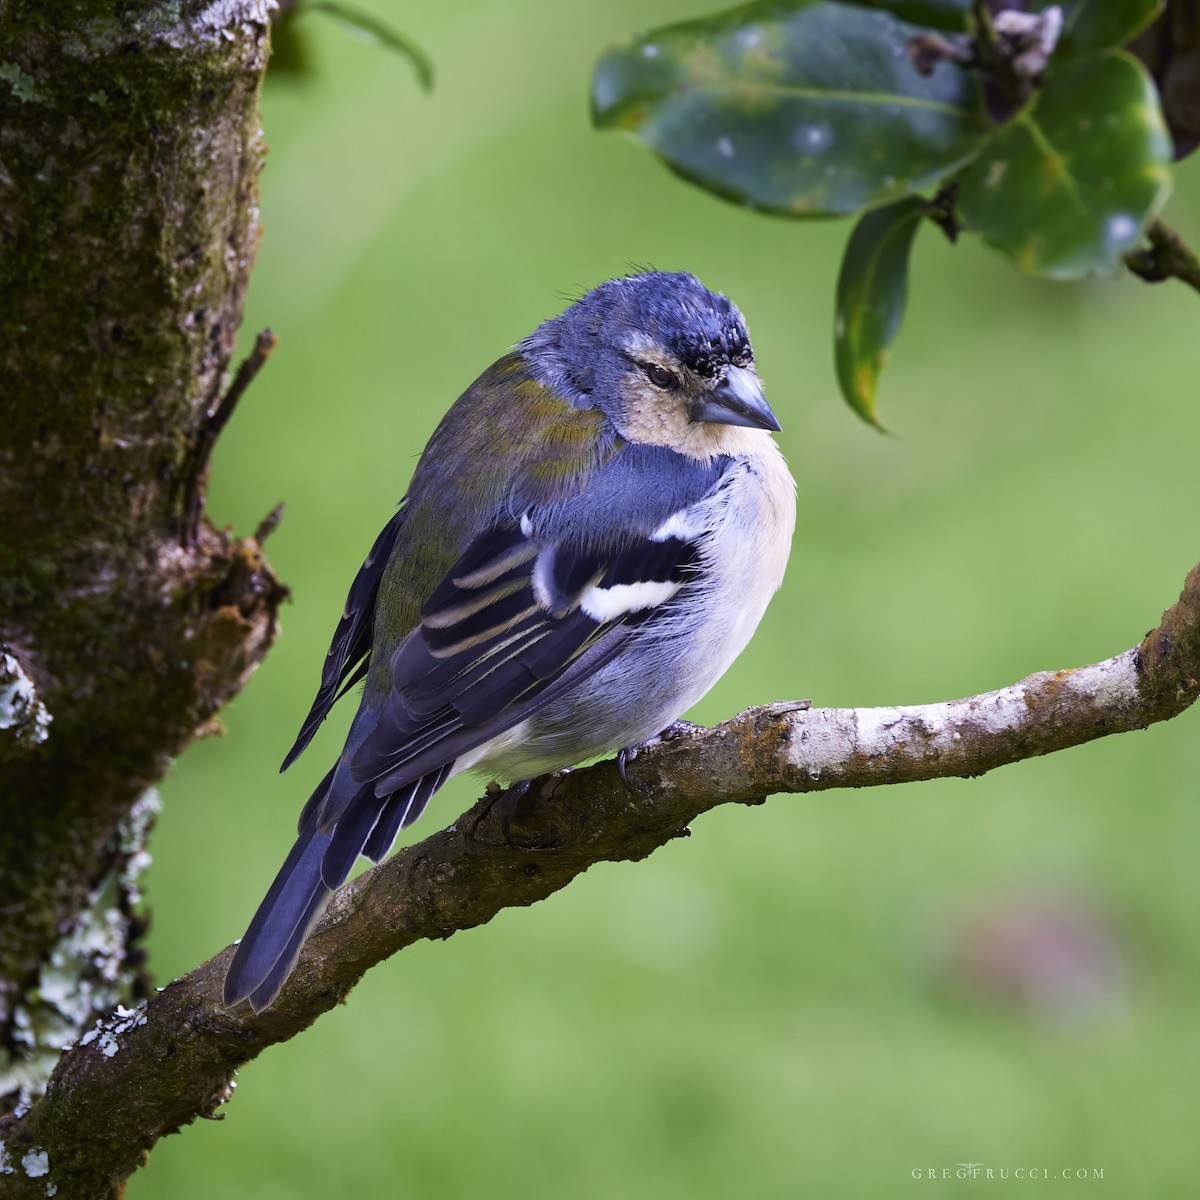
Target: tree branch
1167, 257
147, 1072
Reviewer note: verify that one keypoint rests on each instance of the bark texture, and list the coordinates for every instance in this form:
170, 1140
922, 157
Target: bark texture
145, 1072
129, 155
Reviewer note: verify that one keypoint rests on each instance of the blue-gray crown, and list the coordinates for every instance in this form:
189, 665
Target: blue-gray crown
580, 352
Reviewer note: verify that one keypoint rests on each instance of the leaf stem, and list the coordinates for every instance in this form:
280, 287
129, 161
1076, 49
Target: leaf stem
366, 23
1167, 257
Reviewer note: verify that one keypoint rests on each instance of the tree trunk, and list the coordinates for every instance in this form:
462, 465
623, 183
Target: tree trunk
129, 156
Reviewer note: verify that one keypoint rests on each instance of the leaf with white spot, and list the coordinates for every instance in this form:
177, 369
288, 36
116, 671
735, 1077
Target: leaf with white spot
871, 294
1067, 185
801, 109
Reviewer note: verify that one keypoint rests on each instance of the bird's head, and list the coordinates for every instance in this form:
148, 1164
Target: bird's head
668, 361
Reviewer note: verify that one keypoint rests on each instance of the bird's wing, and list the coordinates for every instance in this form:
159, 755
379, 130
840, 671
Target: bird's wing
349, 652
538, 601
528, 611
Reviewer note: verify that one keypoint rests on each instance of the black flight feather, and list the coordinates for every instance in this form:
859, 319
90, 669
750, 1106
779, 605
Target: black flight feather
352, 638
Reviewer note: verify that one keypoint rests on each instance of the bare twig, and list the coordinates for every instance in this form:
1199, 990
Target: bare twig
148, 1071
1167, 257
269, 523
206, 439
926, 50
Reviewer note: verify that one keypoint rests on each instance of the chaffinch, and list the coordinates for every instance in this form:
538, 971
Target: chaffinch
590, 538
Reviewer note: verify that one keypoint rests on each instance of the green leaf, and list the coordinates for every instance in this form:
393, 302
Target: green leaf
1067, 186
871, 293
803, 108
950, 16
370, 27
1091, 26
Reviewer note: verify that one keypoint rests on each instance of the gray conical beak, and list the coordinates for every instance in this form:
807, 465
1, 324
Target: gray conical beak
737, 400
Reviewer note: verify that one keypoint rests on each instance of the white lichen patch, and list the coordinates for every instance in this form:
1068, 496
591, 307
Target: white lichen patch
221, 19
86, 974
36, 1164
133, 832
824, 741
20, 708
107, 1033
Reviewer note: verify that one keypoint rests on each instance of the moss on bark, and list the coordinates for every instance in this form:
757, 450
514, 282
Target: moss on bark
129, 154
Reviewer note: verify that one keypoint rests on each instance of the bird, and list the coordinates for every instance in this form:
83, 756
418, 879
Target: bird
589, 539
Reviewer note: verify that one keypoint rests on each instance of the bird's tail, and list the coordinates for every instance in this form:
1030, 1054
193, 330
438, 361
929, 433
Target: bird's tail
271, 945
318, 863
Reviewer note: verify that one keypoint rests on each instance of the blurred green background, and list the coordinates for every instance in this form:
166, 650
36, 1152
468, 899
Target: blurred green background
817, 997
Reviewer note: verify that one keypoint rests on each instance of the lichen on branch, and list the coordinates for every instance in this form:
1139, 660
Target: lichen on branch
24, 720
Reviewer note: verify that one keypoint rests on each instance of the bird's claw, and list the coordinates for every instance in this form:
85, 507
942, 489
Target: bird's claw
676, 729
623, 755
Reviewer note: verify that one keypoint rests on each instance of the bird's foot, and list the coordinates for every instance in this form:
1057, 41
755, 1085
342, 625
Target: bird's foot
676, 729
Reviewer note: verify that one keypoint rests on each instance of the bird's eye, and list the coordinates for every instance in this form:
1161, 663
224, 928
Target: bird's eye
660, 376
